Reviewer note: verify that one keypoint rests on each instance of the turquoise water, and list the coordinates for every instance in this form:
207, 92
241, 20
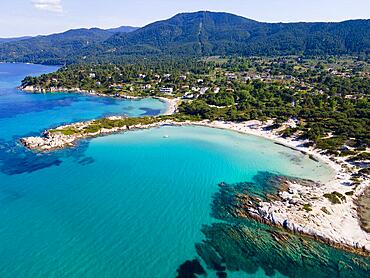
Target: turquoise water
125, 205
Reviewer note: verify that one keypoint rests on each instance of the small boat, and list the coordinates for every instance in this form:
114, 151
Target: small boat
165, 136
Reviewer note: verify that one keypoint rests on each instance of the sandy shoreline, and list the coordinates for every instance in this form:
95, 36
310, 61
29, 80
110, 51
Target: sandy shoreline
172, 104
341, 226
338, 224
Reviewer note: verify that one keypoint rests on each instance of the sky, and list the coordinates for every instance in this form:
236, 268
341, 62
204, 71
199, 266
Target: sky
40, 17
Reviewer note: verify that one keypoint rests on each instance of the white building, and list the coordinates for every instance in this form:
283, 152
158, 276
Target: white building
146, 86
203, 90
166, 90
231, 76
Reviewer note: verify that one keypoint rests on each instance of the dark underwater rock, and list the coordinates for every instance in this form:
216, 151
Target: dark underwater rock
240, 243
250, 245
190, 269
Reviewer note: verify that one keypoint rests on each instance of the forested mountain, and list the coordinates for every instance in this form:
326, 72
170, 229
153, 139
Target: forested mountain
4, 40
206, 33
53, 49
123, 29
196, 34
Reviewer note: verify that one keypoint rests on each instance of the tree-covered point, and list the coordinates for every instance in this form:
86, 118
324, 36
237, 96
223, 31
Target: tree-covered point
130, 78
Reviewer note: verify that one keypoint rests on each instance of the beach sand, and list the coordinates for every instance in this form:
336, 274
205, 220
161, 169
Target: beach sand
337, 224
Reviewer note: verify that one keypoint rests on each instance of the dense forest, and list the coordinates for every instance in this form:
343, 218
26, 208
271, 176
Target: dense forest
322, 114
194, 34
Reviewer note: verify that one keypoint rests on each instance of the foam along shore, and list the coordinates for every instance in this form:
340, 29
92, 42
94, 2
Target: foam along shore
324, 211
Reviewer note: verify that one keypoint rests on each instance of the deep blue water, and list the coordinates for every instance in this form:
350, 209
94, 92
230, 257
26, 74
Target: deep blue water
125, 205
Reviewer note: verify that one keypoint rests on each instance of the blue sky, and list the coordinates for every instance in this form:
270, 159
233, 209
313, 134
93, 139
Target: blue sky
32, 17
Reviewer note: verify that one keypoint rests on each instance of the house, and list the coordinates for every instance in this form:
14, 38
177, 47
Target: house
92, 75
231, 76
116, 86
182, 77
188, 95
166, 90
351, 96
203, 90
146, 86
142, 76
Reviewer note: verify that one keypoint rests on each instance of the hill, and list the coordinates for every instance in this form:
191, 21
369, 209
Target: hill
123, 29
4, 40
195, 34
207, 33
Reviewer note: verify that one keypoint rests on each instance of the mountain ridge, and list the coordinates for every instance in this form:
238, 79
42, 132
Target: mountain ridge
202, 33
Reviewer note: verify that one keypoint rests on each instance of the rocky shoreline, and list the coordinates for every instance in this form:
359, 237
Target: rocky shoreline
302, 208
172, 103
58, 139
40, 90
313, 210
293, 201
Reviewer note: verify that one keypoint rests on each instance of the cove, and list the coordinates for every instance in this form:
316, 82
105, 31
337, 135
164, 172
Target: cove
126, 205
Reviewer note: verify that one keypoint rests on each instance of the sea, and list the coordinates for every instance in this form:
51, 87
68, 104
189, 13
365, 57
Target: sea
135, 204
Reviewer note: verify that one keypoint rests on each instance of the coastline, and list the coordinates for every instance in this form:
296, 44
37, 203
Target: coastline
172, 103
339, 227
337, 224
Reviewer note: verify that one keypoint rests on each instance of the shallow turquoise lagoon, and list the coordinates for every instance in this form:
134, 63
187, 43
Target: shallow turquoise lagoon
126, 205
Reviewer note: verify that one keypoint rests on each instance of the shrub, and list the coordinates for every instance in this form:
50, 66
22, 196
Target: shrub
307, 207
335, 197
325, 210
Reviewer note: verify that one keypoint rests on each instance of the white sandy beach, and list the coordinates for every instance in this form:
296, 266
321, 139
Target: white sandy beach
341, 224
336, 223
172, 104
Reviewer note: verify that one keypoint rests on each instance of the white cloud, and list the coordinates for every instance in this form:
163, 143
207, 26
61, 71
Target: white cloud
48, 5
